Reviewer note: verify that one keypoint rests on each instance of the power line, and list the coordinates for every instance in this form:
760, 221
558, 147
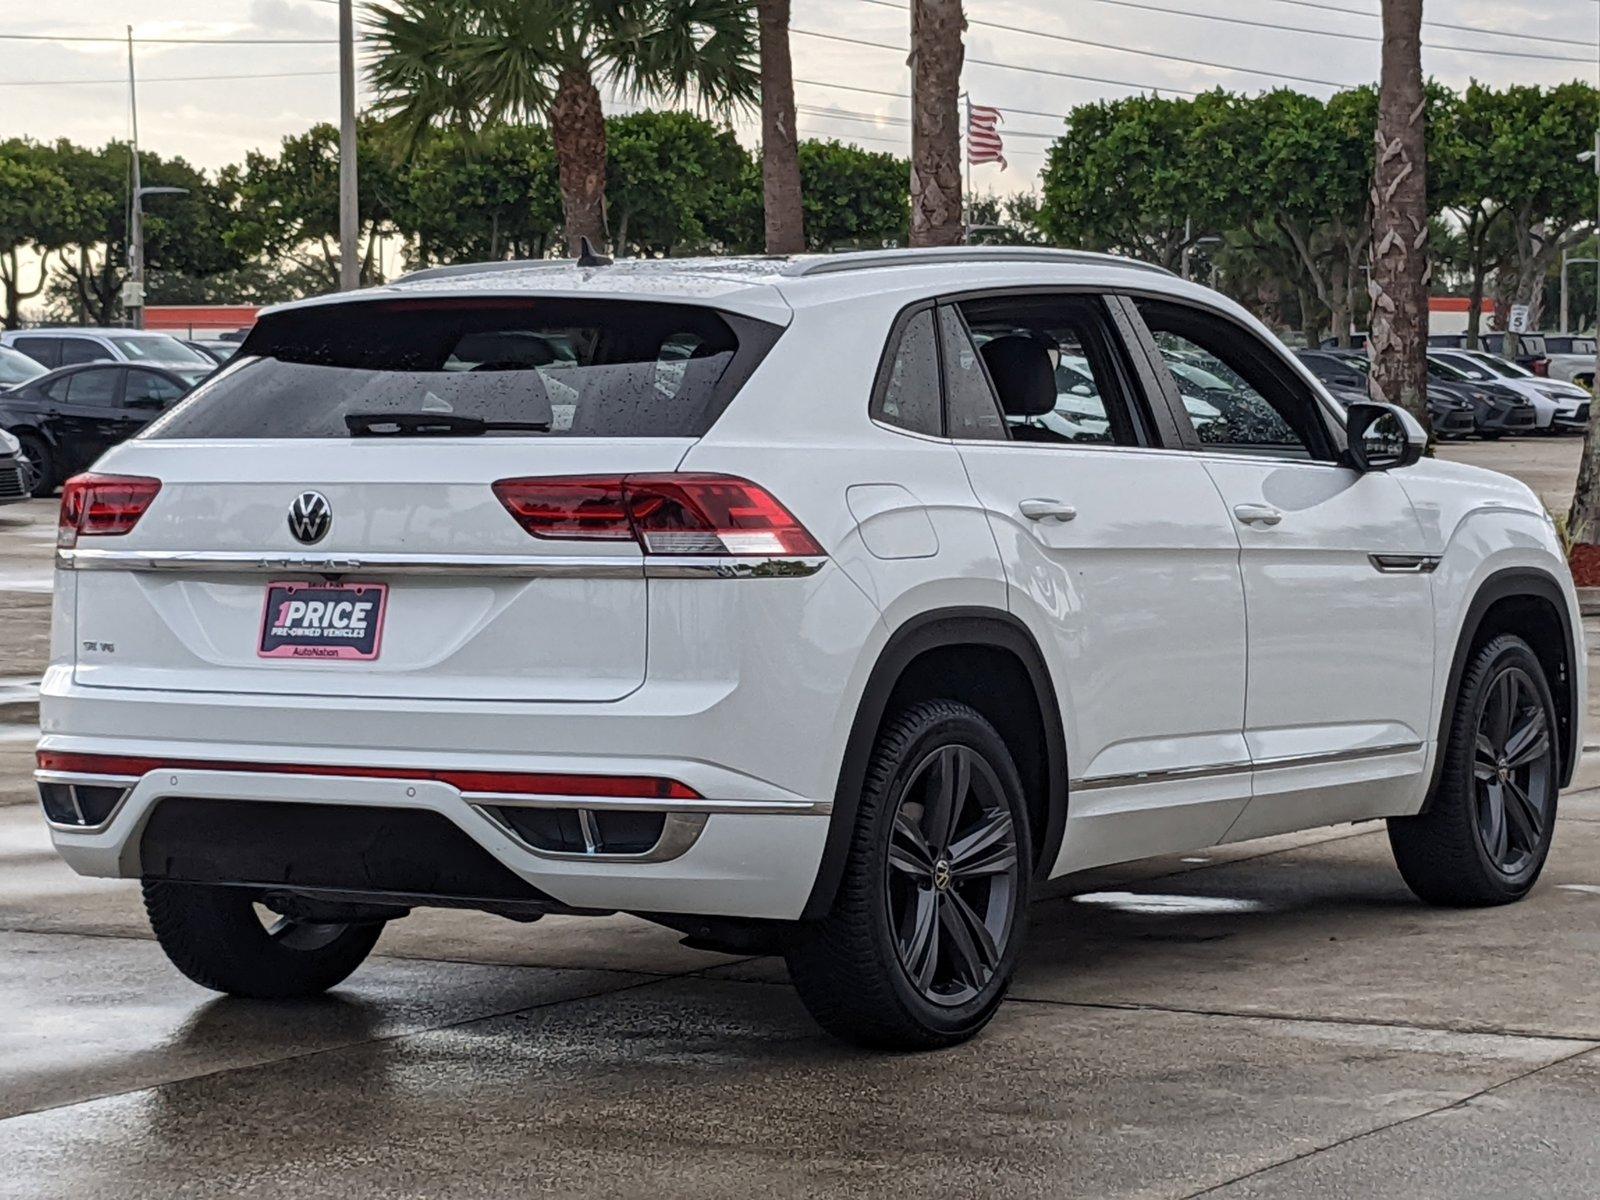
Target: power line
985, 62
169, 41
159, 79
1077, 41
1371, 16
849, 87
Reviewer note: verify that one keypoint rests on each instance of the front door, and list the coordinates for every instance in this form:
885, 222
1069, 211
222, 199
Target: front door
1340, 682
1121, 559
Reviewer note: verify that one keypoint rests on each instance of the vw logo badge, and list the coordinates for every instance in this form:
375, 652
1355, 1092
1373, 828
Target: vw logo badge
309, 517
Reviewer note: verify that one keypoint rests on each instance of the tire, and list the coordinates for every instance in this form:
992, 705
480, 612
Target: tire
213, 935
44, 472
854, 969
1489, 435
1488, 827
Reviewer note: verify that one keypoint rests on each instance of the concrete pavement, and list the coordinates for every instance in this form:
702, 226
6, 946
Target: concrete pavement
1272, 1019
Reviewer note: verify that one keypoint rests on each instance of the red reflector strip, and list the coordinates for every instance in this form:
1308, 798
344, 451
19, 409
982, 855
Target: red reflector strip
518, 783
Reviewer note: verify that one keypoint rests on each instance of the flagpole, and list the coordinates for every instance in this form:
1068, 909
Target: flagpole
966, 192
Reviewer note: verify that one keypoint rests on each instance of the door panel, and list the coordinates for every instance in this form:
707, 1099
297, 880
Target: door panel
1341, 653
1136, 600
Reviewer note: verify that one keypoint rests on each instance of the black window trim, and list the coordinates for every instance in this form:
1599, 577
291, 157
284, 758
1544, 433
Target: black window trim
886, 357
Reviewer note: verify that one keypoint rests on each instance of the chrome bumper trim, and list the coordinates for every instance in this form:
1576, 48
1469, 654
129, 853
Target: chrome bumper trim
514, 566
743, 808
679, 832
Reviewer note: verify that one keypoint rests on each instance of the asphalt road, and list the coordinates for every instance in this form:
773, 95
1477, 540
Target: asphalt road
1278, 1018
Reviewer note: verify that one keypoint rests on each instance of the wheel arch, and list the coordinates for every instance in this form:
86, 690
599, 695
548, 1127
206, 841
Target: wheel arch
983, 657
1519, 600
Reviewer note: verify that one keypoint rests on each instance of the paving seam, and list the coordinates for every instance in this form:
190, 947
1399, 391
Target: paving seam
1356, 1137
342, 1046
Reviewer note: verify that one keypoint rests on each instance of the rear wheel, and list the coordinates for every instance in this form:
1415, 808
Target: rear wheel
925, 931
218, 938
1487, 832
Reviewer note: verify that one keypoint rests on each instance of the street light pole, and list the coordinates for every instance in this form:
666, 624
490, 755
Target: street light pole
133, 298
349, 213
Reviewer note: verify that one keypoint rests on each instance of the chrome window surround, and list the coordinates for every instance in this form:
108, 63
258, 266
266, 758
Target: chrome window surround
509, 566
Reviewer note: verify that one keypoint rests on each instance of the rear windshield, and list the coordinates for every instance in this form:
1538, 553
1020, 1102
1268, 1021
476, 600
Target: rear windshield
502, 368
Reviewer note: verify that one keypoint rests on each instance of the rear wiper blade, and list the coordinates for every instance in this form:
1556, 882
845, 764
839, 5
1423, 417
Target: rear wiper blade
427, 424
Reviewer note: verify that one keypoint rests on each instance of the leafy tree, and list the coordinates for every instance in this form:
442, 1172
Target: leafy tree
35, 217
288, 203
673, 177
1005, 220
469, 64
854, 198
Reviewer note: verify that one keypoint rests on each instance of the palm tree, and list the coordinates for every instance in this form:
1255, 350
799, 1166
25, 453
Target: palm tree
936, 57
1399, 337
470, 63
780, 143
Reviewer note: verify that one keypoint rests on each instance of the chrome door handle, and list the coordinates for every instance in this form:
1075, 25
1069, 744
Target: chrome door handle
1047, 510
1257, 514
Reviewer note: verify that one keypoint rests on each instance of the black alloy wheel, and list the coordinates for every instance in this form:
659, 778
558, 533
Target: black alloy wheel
952, 875
1513, 767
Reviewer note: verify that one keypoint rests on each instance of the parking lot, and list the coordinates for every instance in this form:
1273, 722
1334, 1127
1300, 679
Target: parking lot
1276, 1018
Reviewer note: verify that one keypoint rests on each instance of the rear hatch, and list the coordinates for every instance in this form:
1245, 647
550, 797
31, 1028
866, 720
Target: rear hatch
326, 525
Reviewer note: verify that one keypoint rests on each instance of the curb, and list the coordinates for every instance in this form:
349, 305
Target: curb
1589, 601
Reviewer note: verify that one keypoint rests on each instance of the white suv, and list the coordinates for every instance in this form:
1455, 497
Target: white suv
822, 605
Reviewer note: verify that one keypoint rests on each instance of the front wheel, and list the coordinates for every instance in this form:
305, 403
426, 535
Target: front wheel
216, 937
926, 928
38, 473
1488, 827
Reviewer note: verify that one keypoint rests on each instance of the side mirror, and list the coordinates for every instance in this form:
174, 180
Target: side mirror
1382, 437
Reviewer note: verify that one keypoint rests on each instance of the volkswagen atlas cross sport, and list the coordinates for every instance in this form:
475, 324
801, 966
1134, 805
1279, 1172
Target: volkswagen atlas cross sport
822, 605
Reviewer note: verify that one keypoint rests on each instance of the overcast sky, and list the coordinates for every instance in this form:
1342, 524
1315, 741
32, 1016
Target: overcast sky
212, 122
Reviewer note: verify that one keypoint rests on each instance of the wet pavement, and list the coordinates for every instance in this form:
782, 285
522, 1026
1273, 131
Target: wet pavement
1273, 1019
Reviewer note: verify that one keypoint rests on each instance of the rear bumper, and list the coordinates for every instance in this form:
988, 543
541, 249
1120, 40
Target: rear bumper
744, 847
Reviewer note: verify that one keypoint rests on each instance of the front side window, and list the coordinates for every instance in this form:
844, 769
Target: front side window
146, 388
1235, 393
908, 390
1056, 367
43, 350
82, 350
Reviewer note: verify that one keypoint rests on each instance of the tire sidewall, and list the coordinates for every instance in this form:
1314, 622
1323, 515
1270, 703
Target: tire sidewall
977, 735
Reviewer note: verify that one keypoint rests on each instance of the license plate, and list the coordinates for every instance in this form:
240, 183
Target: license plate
323, 621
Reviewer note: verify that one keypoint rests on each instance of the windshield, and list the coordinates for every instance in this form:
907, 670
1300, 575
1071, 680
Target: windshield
1502, 368
1469, 368
1444, 370
530, 368
155, 347
16, 367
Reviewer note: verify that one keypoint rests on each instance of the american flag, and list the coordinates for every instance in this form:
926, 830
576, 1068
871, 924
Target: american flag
983, 135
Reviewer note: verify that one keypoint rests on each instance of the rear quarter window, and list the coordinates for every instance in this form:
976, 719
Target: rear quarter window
538, 367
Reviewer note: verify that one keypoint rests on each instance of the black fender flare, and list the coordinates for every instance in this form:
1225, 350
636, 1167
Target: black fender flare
934, 630
1502, 585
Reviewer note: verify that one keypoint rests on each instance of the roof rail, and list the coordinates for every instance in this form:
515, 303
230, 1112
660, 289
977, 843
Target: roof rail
483, 268
866, 260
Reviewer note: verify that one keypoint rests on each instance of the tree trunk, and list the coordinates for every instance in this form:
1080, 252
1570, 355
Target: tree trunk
578, 128
936, 57
1475, 304
780, 143
1400, 271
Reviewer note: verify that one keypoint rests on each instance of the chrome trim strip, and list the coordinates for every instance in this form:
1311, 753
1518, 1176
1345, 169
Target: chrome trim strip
72, 781
1405, 564
513, 566
746, 808
1097, 782
679, 832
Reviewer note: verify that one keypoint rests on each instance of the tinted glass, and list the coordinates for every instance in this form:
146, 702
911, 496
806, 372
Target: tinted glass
533, 368
1071, 335
97, 387
156, 347
16, 367
150, 387
41, 349
971, 408
1468, 367
908, 394
82, 350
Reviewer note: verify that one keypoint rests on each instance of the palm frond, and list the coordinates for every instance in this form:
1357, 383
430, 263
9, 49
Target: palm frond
699, 51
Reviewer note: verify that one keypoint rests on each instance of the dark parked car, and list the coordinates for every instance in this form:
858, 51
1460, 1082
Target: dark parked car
69, 417
217, 350
1344, 373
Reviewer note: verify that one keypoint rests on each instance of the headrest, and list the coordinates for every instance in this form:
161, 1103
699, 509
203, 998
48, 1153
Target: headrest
1020, 368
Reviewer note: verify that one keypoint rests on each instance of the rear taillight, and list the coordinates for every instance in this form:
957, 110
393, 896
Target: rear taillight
103, 506
1541, 366
664, 514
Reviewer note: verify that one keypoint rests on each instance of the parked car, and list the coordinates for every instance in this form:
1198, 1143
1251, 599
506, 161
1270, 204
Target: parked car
70, 345
1558, 406
17, 368
1498, 409
1344, 374
217, 350
67, 418
1571, 359
1531, 353
812, 641
16, 472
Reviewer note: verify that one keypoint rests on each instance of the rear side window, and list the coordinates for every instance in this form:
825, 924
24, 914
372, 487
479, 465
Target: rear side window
82, 350
536, 367
908, 388
95, 387
44, 350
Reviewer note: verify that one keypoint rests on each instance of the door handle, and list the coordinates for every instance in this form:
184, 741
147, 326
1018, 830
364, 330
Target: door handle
1047, 510
1257, 514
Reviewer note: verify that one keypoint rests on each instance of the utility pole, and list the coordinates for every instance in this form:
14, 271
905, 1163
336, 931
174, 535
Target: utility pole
133, 294
349, 212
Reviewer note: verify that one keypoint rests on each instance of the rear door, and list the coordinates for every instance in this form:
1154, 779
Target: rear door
1120, 557
344, 452
92, 415
1336, 583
